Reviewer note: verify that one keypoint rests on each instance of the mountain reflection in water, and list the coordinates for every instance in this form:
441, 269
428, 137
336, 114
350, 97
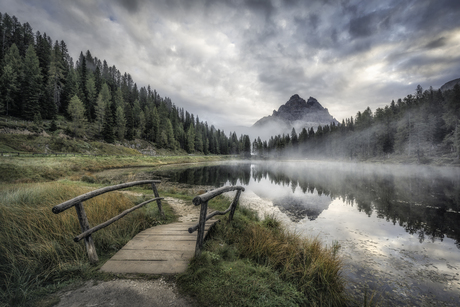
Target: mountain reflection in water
398, 226
425, 201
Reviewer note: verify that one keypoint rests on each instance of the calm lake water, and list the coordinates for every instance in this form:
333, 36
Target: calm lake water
398, 226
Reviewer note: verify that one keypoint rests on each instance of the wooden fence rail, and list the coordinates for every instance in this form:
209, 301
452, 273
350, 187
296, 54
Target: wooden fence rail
203, 201
77, 202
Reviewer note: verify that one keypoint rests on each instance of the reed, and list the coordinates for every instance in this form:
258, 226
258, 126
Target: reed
37, 247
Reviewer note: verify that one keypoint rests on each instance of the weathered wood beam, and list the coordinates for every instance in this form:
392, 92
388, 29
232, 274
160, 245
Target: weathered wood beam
211, 194
84, 224
112, 220
201, 224
72, 202
155, 192
233, 205
194, 228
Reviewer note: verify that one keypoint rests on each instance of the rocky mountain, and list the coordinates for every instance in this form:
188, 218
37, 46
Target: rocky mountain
295, 113
450, 85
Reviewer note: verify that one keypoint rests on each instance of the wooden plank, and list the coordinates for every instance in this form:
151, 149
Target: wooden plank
130, 255
157, 238
162, 245
171, 230
145, 267
164, 249
167, 234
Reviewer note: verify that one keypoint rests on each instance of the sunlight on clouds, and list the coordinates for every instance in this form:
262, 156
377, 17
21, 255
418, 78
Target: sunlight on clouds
374, 73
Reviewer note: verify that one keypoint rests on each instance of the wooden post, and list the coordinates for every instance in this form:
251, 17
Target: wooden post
234, 204
155, 192
84, 224
202, 222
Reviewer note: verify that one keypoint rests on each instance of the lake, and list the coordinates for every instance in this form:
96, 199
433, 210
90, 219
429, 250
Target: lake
398, 226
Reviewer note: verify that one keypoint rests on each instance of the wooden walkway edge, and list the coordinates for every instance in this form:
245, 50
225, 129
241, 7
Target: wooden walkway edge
164, 249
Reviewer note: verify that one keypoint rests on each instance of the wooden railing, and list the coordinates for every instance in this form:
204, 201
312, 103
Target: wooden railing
203, 201
83, 219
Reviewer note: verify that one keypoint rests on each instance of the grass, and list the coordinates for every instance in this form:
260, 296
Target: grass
37, 253
247, 263
258, 263
40, 169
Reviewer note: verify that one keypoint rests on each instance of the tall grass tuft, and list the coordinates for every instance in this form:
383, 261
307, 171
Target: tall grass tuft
305, 262
37, 247
284, 269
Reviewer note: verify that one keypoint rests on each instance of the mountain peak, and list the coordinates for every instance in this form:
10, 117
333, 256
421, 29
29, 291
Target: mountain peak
295, 113
296, 108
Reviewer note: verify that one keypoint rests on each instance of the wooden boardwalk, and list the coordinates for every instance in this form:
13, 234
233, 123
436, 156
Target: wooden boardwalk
164, 249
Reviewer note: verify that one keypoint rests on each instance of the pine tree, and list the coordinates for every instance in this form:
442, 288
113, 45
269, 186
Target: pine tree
32, 85
172, 143
107, 131
43, 52
121, 123
141, 127
91, 97
130, 122
156, 125
12, 79
82, 79
55, 80
246, 145
70, 89
103, 102
8, 87
206, 146
191, 139
77, 112
198, 141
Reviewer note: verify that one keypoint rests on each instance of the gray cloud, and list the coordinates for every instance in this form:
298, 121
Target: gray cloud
131, 5
437, 43
240, 59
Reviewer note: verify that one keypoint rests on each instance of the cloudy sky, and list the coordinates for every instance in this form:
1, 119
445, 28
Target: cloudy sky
234, 61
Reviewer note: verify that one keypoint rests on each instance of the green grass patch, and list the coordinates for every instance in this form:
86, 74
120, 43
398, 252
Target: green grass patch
37, 251
258, 263
39, 169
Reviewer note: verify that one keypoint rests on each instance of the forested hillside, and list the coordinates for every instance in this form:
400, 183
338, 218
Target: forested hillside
39, 80
422, 125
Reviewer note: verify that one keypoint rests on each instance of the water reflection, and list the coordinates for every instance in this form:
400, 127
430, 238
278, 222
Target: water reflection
424, 201
398, 227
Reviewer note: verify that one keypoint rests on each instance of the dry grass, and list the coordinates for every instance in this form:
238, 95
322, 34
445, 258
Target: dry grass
305, 262
37, 247
40, 169
258, 263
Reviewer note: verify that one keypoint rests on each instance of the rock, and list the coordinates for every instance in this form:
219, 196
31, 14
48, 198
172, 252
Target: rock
296, 113
449, 85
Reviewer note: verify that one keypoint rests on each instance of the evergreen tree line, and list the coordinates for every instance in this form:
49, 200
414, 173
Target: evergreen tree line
388, 196
423, 124
39, 80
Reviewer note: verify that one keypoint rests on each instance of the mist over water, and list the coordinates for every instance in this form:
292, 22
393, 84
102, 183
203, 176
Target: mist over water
399, 226
423, 200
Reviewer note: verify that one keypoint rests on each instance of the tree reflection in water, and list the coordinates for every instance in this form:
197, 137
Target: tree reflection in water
425, 201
